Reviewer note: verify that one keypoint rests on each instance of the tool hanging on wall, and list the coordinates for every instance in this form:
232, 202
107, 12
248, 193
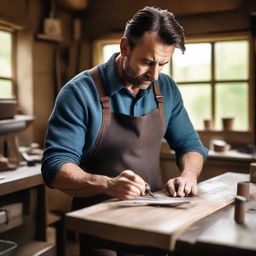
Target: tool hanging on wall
52, 25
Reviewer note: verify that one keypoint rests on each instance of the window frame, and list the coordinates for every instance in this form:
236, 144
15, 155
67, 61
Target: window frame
222, 38
239, 137
12, 79
98, 45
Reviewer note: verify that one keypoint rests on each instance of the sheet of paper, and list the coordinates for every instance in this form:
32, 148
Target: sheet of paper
148, 200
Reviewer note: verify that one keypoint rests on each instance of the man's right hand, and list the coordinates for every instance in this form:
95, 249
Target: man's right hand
126, 185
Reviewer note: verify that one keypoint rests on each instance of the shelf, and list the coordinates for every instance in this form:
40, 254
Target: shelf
36, 248
18, 123
49, 38
22, 178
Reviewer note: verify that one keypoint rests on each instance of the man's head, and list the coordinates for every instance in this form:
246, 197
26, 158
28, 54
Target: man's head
148, 44
160, 21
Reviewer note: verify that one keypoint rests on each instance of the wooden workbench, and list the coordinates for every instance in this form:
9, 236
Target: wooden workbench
20, 179
154, 227
219, 234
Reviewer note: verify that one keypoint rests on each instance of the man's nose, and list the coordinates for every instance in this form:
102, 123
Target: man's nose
154, 72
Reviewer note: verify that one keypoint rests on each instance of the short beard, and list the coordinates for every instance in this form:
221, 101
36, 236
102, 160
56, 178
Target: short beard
131, 77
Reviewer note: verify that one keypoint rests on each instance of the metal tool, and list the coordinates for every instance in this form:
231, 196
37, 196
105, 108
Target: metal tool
149, 192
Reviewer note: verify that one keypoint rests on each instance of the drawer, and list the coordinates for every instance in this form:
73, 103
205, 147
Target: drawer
11, 216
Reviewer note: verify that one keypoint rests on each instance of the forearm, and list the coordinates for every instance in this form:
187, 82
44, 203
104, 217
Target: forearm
74, 181
191, 164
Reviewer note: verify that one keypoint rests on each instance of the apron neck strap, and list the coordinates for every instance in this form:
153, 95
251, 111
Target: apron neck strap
160, 103
94, 72
104, 99
105, 103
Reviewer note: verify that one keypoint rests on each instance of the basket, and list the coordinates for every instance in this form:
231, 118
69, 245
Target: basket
7, 248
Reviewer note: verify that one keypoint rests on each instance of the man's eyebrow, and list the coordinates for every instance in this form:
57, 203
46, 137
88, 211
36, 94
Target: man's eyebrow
164, 63
154, 61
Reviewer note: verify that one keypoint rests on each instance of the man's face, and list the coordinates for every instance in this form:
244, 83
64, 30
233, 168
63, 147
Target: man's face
144, 62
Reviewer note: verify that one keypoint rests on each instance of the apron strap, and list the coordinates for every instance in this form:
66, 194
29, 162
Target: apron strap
105, 103
94, 72
160, 103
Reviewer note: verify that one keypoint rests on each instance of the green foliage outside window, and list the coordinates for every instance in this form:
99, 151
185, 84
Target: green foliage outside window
229, 80
6, 86
197, 100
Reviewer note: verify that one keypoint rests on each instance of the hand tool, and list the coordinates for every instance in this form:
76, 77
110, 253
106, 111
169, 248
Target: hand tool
149, 192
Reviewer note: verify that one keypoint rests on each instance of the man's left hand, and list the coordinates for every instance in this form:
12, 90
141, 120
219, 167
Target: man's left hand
184, 185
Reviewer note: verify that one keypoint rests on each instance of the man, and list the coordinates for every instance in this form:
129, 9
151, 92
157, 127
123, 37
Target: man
105, 131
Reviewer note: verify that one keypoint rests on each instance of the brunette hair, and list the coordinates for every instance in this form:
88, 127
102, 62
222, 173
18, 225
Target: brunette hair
158, 20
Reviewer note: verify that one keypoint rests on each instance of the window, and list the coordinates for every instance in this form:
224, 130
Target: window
214, 80
213, 77
108, 50
6, 70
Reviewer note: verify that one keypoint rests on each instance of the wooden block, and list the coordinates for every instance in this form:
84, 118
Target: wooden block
11, 216
240, 209
8, 108
243, 189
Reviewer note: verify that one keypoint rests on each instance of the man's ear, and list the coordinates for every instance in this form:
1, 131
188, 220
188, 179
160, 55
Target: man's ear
124, 47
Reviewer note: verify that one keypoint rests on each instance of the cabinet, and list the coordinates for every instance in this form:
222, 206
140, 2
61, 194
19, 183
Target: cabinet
25, 185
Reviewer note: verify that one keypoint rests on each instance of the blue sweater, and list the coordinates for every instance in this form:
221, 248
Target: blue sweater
77, 117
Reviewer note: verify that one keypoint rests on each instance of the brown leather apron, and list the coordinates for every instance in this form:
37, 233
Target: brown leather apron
125, 142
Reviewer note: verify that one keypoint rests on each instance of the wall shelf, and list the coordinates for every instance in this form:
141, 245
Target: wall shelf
49, 38
18, 123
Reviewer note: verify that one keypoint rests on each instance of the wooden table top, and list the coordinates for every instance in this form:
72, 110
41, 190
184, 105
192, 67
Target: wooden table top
150, 226
219, 232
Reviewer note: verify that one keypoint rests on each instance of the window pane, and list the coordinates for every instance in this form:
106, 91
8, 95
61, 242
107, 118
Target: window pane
232, 101
5, 54
197, 101
109, 50
232, 60
194, 64
6, 89
166, 69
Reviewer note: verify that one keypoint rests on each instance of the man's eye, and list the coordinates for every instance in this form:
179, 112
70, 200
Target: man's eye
147, 62
162, 64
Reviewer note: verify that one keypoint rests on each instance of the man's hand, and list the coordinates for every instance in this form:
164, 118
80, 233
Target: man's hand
181, 186
190, 165
126, 185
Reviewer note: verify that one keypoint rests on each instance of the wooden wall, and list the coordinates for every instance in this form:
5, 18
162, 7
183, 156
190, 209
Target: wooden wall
197, 17
35, 60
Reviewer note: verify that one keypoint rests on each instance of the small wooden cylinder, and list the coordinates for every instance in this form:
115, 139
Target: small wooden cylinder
228, 124
240, 209
243, 189
208, 125
253, 172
